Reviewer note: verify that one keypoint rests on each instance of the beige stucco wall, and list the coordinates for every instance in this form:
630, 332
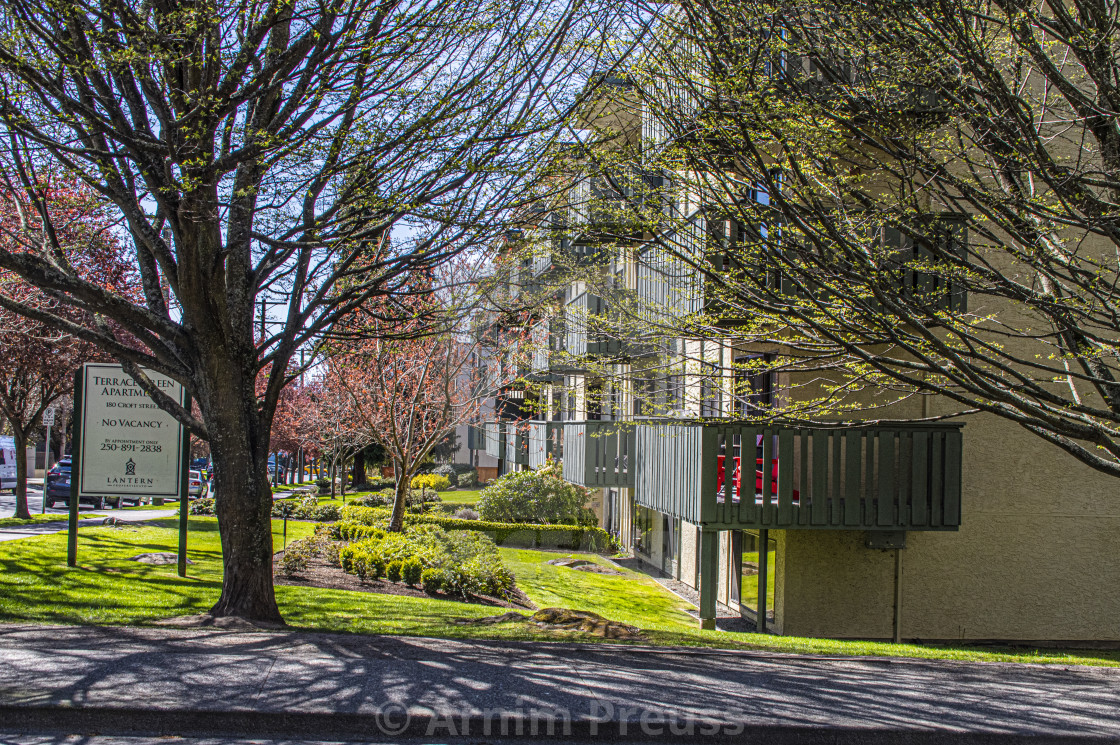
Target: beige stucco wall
1037, 557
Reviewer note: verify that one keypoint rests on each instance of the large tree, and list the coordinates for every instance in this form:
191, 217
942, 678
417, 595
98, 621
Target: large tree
259, 154
909, 196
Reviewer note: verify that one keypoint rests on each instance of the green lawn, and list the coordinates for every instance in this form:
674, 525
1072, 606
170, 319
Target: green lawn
12, 522
106, 588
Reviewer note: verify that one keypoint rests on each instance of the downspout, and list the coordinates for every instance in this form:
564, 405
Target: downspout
898, 596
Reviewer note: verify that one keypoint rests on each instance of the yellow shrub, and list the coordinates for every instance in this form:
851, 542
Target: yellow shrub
430, 481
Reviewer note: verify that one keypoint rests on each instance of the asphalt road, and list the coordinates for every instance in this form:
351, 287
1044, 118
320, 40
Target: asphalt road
206, 682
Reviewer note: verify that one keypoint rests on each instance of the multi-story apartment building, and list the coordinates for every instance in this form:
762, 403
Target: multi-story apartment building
970, 528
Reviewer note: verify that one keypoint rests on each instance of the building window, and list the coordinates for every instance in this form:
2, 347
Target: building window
643, 530
746, 547
754, 385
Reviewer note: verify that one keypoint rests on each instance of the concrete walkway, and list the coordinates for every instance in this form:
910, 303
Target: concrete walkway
227, 683
58, 526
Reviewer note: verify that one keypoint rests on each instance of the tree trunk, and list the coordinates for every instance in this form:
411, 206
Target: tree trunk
359, 470
332, 470
243, 503
342, 476
400, 501
20, 438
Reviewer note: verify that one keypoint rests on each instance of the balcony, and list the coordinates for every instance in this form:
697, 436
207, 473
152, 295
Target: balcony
544, 443
599, 454
609, 207
494, 439
585, 321
671, 278
898, 477
516, 443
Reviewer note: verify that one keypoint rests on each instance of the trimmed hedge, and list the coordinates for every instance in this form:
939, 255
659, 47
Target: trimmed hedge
362, 522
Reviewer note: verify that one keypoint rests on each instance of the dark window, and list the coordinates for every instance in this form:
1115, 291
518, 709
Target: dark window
754, 384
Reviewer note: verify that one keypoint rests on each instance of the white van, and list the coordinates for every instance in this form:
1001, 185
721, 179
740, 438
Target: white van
7, 463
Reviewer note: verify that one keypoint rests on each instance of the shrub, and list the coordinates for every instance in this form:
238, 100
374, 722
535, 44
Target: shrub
382, 483
393, 571
297, 556
468, 479
204, 506
432, 579
432, 481
326, 513
468, 561
466, 514
411, 571
445, 469
323, 485
372, 500
540, 496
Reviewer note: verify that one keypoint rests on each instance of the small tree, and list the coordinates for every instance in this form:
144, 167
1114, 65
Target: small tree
38, 360
540, 496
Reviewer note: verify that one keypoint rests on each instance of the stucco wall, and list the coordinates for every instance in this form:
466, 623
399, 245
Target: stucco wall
1037, 557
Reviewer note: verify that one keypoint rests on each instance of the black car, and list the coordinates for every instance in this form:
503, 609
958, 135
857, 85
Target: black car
58, 488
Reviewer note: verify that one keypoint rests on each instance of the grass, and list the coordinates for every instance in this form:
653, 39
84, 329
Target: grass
36, 586
13, 522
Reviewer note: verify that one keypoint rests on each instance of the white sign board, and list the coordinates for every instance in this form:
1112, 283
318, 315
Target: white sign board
48, 417
129, 446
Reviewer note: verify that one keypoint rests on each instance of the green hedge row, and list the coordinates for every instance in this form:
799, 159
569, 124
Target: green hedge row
524, 535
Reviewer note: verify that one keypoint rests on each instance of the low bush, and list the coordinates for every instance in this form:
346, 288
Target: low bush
467, 562
432, 579
433, 481
307, 508
373, 500
203, 506
468, 480
297, 556
540, 496
361, 522
411, 572
323, 485
393, 571
465, 514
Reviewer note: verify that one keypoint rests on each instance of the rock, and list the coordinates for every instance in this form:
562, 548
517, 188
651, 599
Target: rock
510, 617
158, 558
596, 569
568, 562
585, 621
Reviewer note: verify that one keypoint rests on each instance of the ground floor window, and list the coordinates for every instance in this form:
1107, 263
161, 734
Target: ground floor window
643, 530
747, 585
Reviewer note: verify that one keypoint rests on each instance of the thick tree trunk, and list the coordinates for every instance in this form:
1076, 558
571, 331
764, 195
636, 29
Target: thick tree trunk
243, 500
20, 439
359, 471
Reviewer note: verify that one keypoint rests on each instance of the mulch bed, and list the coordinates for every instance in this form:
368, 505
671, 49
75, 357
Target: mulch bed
320, 573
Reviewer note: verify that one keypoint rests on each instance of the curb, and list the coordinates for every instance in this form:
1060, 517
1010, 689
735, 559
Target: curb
400, 724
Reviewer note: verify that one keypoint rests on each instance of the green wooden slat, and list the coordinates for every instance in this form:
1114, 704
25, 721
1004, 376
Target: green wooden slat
767, 516
953, 478
937, 480
820, 479
871, 481
748, 510
835, 516
707, 462
903, 477
919, 478
853, 461
887, 515
785, 477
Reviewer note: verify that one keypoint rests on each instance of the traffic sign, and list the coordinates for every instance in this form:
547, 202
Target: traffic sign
48, 416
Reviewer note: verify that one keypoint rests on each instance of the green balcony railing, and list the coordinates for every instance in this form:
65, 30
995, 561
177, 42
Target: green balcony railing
544, 443
599, 454
516, 443
587, 333
898, 477
494, 439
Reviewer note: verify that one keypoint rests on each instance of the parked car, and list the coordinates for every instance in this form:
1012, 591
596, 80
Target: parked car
196, 485
58, 489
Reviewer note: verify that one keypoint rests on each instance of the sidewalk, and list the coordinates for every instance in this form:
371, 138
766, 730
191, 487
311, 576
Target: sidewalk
209, 682
58, 526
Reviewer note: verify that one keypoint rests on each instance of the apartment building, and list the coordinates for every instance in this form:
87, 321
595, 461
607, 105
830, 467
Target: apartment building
969, 528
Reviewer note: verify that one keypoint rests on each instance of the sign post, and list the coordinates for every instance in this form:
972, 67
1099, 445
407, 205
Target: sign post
184, 497
124, 444
48, 419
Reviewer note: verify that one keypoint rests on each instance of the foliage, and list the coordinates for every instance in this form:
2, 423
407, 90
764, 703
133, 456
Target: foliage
466, 513
323, 485
468, 480
297, 556
307, 508
432, 481
540, 496
467, 562
202, 506
359, 523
